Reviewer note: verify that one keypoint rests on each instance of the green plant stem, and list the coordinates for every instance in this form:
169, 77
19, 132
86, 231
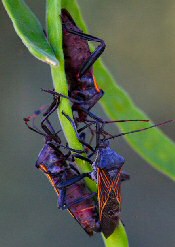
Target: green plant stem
118, 238
60, 84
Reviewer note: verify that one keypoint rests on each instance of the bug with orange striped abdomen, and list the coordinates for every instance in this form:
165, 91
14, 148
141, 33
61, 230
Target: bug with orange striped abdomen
62, 172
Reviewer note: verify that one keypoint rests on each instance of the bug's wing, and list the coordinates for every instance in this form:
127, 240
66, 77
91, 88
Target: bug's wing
109, 200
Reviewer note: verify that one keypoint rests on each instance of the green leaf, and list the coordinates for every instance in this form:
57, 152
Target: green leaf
30, 31
152, 145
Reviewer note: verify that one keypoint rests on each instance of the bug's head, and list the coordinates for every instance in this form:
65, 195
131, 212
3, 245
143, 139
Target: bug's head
104, 144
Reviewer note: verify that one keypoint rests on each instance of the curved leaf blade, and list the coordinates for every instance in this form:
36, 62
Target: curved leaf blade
153, 146
29, 29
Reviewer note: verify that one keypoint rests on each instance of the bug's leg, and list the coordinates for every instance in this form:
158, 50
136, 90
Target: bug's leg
48, 129
62, 95
80, 200
95, 55
72, 149
82, 158
74, 126
52, 108
73, 180
74, 168
56, 148
92, 134
82, 136
62, 199
33, 127
92, 115
87, 125
67, 155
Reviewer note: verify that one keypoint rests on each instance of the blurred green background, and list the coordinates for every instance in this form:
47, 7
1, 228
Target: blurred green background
140, 38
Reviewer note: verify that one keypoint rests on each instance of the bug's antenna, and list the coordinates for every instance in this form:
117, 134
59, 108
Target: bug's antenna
139, 130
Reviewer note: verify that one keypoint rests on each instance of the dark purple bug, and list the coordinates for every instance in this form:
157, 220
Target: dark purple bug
65, 178
84, 91
107, 172
108, 175
78, 66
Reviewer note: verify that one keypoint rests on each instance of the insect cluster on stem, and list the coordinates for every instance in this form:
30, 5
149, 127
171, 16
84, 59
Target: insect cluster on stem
95, 212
